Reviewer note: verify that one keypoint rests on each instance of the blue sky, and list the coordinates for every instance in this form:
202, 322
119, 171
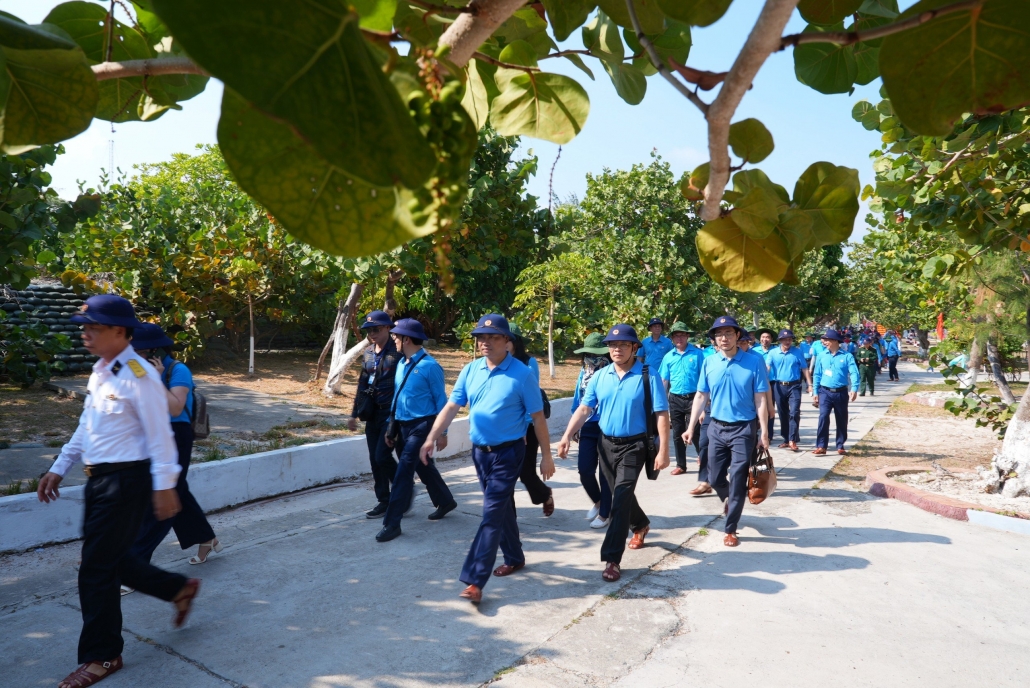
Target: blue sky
807, 126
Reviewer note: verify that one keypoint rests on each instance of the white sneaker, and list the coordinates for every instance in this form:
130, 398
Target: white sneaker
594, 511
599, 522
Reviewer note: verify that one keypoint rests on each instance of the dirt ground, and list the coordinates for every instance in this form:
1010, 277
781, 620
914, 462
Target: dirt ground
36, 415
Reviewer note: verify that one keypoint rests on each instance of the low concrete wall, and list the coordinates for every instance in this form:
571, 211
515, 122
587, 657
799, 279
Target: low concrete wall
26, 523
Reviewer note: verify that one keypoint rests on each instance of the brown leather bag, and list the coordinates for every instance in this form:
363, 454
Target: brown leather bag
761, 476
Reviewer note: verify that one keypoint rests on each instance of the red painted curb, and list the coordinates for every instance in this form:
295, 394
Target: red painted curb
880, 484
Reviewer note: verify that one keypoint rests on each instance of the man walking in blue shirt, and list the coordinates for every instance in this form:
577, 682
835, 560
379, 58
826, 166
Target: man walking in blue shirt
893, 349
787, 369
417, 399
736, 384
679, 372
617, 393
654, 348
834, 368
500, 391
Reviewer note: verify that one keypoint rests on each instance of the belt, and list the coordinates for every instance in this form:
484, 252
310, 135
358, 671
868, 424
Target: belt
99, 469
688, 395
734, 424
625, 440
499, 447
835, 389
416, 421
788, 384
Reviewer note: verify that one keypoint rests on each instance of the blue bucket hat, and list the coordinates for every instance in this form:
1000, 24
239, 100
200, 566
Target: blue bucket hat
725, 321
621, 333
409, 327
106, 309
832, 334
655, 321
746, 336
377, 319
493, 323
785, 334
150, 336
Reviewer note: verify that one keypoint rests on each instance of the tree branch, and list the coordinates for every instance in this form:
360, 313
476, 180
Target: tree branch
507, 65
471, 29
660, 65
701, 78
852, 37
154, 67
439, 9
762, 42
563, 53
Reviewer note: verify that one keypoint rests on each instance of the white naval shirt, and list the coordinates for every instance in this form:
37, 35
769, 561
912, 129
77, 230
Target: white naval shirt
125, 418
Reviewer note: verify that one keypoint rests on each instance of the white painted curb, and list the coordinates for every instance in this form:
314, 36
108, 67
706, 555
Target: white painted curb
25, 522
998, 522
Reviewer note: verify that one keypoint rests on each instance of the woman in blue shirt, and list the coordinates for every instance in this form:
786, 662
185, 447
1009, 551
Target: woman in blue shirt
595, 357
190, 524
538, 491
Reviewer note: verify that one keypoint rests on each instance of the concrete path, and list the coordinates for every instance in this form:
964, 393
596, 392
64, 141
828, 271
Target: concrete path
304, 597
30, 460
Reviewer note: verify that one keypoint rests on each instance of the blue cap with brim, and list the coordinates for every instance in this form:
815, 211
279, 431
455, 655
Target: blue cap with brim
150, 336
377, 319
493, 323
655, 321
725, 321
622, 333
106, 309
832, 334
785, 334
409, 327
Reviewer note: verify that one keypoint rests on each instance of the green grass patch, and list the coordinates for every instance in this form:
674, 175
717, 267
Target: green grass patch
703, 532
213, 454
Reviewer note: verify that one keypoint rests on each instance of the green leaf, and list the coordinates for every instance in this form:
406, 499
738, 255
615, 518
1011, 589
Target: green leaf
757, 213
567, 15
826, 67
44, 257
827, 11
308, 64
652, 19
629, 81
315, 201
21, 36
750, 140
376, 15
53, 96
601, 38
865, 113
976, 60
521, 26
828, 194
695, 12
519, 52
887, 9
149, 22
578, 61
693, 185
674, 44
746, 180
795, 228
739, 262
546, 106
867, 53
480, 90
933, 267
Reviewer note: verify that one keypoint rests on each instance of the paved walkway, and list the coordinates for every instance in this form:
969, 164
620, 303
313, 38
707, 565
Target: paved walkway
828, 587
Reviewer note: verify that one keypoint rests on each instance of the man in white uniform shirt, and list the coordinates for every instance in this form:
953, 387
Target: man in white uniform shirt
125, 440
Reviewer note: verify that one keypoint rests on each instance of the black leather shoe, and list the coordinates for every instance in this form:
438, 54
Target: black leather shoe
388, 533
443, 511
378, 511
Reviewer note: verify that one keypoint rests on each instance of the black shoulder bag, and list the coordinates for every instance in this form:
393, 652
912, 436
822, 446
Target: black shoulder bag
651, 434
365, 404
393, 427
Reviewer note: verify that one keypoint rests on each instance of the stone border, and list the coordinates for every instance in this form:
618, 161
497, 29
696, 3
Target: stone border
881, 484
25, 523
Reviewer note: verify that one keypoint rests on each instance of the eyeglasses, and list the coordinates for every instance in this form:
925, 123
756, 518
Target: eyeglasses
619, 345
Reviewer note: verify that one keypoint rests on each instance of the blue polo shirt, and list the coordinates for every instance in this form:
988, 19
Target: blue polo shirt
498, 400
893, 349
806, 350
764, 353
423, 394
577, 401
681, 370
786, 367
180, 377
653, 352
708, 351
733, 384
832, 370
620, 403
534, 368
817, 348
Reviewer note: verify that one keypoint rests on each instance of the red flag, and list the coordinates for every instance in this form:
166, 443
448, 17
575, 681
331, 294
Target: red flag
940, 327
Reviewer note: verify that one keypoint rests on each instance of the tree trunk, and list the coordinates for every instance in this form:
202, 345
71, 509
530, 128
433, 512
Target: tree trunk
340, 334
550, 339
1013, 458
389, 304
335, 379
974, 364
250, 307
999, 374
924, 341
754, 318
340, 312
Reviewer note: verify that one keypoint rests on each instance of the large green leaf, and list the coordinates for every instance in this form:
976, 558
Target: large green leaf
795, 228
53, 96
757, 212
826, 67
376, 15
695, 12
480, 90
315, 201
546, 106
629, 81
867, 53
746, 180
827, 11
652, 19
674, 44
828, 194
308, 64
976, 60
750, 140
865, 113
888, 9
567, 15
601, 38
148, 22
21, 36
739, 262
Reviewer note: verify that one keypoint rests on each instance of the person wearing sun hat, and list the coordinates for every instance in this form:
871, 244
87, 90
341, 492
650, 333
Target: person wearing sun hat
766, 342
125, 440
654, 348
679, 372
499, 391
835, 372
787, 370
867, 361
616, 393
595, 357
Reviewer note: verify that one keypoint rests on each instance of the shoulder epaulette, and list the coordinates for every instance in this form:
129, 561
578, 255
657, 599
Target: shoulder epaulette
136, 368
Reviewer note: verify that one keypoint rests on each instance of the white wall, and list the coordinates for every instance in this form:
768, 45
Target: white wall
26, 523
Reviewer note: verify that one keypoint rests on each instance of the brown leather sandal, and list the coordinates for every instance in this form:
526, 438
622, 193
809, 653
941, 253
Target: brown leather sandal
184, 601
506, 570
80, 678
612, 572
549, 506
473, 594
638, 537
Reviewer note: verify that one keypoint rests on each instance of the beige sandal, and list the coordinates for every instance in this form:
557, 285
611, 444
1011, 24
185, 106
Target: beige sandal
213, 546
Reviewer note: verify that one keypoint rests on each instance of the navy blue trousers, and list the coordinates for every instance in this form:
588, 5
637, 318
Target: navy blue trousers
413, 436
837, 402
498, 471
702, 448
788, 407
729, 452
892, 367
380, 457
589, 437
680, 406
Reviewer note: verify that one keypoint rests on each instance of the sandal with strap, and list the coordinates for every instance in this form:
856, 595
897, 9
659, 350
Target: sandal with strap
184, 601
213, 546
612, 572
80, 678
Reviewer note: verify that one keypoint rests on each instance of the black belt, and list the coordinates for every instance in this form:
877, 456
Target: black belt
734, 424
99, 469
416, 421
499, 447
688, 395
788, 384
835, 389
625, 440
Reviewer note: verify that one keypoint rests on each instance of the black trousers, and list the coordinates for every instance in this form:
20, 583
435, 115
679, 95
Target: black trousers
622, 465
413, 436
538, 491
190, 524
892, 367
115, 505
680, 406
788, 407
729, 452
380, 457
702, 448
